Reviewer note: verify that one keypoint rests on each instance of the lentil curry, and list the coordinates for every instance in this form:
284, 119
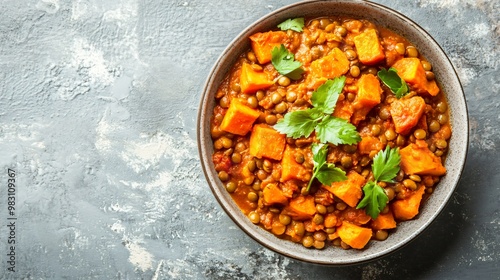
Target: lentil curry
330, 131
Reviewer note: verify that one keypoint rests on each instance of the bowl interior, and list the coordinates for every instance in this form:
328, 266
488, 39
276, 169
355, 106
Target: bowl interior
445, 75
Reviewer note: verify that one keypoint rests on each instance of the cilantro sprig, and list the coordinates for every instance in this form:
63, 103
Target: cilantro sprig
325, 172
296, 24
328, 128
385, 168
285, 63
392, 80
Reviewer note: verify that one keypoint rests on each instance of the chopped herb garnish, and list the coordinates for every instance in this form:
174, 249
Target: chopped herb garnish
392, 80
337, 131
299, 123
296, 24
325, 172
385, 168
285, 63
328, 128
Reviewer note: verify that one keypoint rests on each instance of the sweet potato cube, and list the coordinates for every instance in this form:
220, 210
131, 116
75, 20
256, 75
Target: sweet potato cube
265, 141
368, 144
355, 236
411, 70
369, 91
239, 118
369, 49
333, 65
368, 96
301, 207
264, 42
416, 158
350, 191
291, 169
384, 221
406, 113
252, 80
406, 209
273, 195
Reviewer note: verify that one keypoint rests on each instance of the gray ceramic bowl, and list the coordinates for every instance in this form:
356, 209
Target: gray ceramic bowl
445, 75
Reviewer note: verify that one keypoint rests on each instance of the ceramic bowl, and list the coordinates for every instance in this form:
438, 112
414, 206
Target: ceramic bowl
445, 75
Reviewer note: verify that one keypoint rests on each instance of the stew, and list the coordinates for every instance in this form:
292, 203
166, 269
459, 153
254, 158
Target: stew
330, 131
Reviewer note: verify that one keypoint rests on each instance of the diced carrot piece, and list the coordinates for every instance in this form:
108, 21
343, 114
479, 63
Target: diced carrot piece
333, 65
311, 226
265, 141
406, 209
264, 43
443, 133
369, 144
355, 236
416, 158
301, 207
406, 113
273, 195
343, 110
368, 96
252, 80
384, 221
422, 122
331, 220
411, 70
239, 118
294, 235
291, 169
356, 216
368, 46
350, 191
353, 25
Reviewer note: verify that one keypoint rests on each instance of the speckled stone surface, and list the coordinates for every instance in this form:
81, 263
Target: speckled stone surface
98, 105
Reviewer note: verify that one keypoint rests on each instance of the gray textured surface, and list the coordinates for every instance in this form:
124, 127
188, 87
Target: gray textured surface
97, 116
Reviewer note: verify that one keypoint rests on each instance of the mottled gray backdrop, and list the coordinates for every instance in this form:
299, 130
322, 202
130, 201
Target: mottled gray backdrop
98, 104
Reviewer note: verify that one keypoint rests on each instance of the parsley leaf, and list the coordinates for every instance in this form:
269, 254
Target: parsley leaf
374, 199
296, 24
328, 128
386, 165
337, 131
299, 123
385, 168
326, 96
325, 172
395, 83
285, 63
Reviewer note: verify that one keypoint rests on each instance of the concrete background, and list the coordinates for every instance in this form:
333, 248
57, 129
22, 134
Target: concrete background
98, 110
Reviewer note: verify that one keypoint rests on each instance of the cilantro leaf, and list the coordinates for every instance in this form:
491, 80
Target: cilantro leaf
328, 174
374, 199
285, 63
296, 24
319, 153
326, 96
328, 128
299, 123
395, 83
337, 131
386, 165
325, 172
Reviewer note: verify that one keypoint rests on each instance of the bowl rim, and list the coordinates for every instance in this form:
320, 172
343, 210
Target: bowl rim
205, 160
